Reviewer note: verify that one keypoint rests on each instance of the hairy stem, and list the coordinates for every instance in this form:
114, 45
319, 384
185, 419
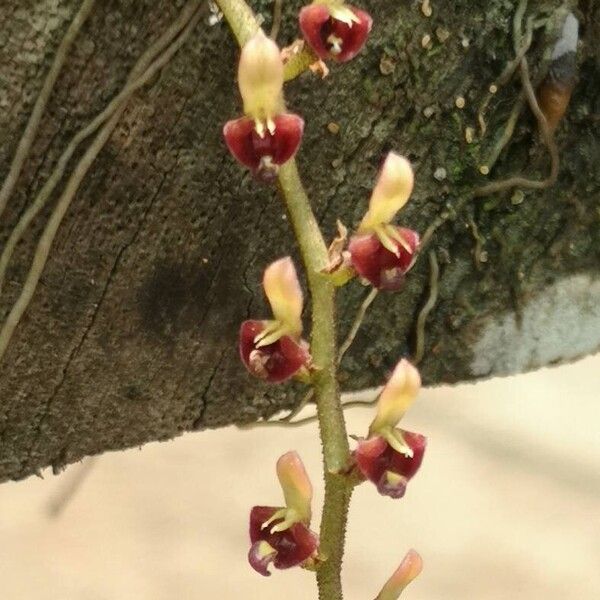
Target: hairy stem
323, 348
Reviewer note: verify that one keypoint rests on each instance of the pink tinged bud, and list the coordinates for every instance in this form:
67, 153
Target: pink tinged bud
337, 32
383, 268
273, 362
396, 397
296, 486
392, 191
260, 79
284, 294
389, 469
285, 549
263, 155
410, 568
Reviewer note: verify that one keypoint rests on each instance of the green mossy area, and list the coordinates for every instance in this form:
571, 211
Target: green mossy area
131, 336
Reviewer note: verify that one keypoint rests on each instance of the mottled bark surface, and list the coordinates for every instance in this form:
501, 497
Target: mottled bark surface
131, 335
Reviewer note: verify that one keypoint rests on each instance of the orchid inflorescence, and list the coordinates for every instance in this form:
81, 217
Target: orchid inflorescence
379, 252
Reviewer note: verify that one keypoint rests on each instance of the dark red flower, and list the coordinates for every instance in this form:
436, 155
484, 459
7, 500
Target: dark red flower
275, 362
284, 549
337, 33
387, 468
262, 155
382, 268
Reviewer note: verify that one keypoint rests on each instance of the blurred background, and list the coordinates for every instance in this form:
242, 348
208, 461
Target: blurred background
506, 506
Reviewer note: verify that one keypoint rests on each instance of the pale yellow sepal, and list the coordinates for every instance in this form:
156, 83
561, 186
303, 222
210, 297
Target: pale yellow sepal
284, 294
409, 569
296, 486
391, 193
397, 396
342, 13
260, 79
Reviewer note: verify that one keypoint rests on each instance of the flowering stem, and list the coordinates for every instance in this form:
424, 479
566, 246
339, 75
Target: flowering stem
323, 348
329, 410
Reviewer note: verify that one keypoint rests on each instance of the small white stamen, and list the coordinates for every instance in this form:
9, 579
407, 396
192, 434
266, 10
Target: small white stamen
336, 44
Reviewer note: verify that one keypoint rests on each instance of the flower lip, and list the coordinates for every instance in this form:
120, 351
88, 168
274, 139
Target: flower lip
336, 33
263, 155
291, 547
378, 265
274, 362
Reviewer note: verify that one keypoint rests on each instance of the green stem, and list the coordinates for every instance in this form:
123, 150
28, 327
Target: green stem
336, 453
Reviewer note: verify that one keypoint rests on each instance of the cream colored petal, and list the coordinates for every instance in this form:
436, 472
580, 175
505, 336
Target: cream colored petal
296, 486
392, 191
397, 396
260, 77
284, 294
344, 14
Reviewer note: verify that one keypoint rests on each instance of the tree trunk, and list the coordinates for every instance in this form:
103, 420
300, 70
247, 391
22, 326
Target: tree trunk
131, 334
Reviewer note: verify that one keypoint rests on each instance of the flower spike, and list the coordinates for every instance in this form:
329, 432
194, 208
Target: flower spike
280, 535
410, 568
335, 30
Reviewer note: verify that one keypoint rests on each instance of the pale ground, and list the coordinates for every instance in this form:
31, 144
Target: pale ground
506, 507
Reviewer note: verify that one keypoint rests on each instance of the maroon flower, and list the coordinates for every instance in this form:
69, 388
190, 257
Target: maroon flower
263, 154
274, 362
274, 350
384, 269
336, 31
284, 549
389, 469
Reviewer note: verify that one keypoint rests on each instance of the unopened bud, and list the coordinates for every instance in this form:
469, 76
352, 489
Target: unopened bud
409, 569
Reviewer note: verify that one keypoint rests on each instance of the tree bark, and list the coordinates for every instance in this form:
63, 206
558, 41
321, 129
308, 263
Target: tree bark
131, 335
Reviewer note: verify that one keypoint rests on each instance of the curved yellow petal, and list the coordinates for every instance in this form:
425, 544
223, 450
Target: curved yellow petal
397, 396
284, 294
260, 79
392, 191
296, 486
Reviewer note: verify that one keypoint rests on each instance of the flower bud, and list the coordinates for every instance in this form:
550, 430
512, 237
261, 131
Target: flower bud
409, 569
392, 191
334, 30
396, 397
260, 79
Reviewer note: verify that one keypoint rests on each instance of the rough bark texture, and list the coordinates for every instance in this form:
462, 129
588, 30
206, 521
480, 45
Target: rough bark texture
131, 336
